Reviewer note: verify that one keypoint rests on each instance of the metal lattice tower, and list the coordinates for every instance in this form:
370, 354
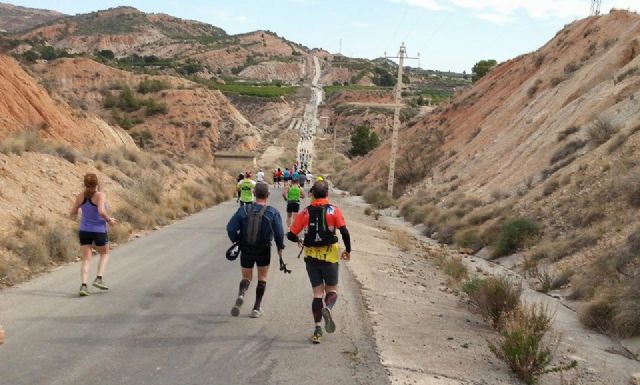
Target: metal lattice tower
595, 7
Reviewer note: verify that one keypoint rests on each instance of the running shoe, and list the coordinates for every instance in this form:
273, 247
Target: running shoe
84, 290
99, 283
329, 325
317, 335
256, 313
235, 310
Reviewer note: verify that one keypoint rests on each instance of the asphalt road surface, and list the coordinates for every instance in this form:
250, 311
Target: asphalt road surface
166, 320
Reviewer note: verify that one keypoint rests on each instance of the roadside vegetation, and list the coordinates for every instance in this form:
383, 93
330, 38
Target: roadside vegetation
146, 190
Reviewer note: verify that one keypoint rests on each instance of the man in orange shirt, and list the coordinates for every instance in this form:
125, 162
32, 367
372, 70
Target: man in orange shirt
322, 254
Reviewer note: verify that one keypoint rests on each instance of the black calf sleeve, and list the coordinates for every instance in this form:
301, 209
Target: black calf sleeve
244, 285
316, 308
260, 289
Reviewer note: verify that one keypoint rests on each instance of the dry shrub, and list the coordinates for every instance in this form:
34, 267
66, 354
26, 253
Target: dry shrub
120, 233
24, 142
33, 251
562, 279
493, 297
599, 312
368, 211
469, 239
568, 150
525, 345
60, 243
456, 269
567, 131
402, 239
418, 215
601, 130
626, 318
617, 141
550, 187
378, 197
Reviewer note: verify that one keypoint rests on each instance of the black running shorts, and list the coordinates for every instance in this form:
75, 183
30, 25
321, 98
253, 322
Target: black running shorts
293, 207
249, 260
321, 272
88, 238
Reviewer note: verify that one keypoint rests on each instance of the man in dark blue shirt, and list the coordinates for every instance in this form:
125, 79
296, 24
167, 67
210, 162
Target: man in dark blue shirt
254, 226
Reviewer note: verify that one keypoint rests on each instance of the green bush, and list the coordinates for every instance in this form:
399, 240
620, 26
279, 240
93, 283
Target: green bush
493, 297
153, 108
514, 234
363, 140
152, 85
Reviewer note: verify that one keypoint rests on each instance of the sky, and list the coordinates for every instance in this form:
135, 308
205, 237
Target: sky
445, 34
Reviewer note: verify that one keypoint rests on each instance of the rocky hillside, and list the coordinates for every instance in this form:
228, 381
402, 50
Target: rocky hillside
125, 32
165, 113
25, 105
15, 19
552, 136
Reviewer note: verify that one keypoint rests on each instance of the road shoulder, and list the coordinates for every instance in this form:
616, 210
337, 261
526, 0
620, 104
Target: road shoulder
422, 332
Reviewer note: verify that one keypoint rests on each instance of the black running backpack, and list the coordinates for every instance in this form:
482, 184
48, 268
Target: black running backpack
318, 233
251, 233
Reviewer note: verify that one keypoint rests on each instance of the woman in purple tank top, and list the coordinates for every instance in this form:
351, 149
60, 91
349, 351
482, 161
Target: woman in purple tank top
94, 223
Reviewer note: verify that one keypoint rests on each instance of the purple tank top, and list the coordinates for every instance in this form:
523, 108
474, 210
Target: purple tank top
91, 221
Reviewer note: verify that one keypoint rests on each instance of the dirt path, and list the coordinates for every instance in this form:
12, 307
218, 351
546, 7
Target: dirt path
424, 331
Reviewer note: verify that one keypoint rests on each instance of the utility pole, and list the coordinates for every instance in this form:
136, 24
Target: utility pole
595, 7
333, 160
402, 54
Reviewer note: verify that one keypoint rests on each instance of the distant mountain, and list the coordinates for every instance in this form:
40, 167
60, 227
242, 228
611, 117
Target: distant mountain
16, 19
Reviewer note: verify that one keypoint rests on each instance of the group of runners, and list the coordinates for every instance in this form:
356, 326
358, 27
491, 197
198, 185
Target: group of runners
285, 177
255, 225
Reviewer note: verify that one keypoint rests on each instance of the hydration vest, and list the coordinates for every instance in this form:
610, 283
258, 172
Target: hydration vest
318, 233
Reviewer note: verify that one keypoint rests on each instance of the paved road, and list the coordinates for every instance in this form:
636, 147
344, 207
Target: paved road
310, 120
166, 320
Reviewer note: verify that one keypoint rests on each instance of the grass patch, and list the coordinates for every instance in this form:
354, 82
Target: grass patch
330, 90
456, 269
402, 239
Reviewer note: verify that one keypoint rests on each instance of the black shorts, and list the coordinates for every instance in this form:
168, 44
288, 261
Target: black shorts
249, 260
88, 238
293, 207
322, 272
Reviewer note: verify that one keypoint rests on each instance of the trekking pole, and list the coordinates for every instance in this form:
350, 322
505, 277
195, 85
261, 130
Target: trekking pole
283, 266
300, 253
